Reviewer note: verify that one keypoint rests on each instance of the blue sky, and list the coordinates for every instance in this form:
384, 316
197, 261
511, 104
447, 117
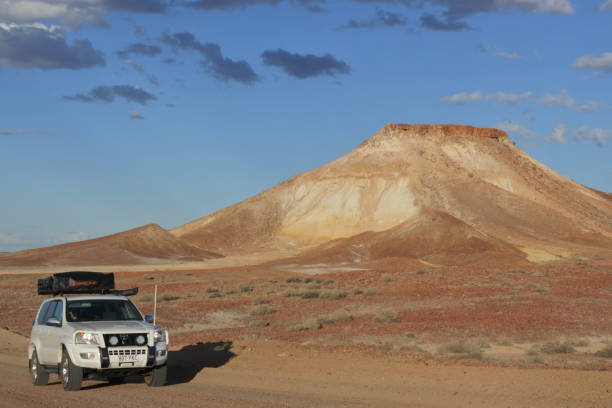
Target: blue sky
118, 113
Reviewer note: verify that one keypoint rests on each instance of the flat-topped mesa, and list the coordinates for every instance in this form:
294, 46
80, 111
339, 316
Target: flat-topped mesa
399, 131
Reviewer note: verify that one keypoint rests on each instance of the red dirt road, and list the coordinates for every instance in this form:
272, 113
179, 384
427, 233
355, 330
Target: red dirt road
279, 374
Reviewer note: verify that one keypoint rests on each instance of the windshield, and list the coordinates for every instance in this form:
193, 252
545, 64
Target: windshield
101, 310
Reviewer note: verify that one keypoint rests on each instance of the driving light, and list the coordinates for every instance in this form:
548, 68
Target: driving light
113, 340
85, 338
140, 340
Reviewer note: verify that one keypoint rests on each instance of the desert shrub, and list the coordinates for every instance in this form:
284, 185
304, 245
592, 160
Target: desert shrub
245, 287
421, 272
215, 295
211, 289
504, 341
260, 301
332, 294
578, 342
149, 277
308, 279
466, 348
258, 324
370, 292
312, 285
357, 291
309, 294
556, 347
605, 352
338, 316
262, 310
290, 293
386, 316
329, 282
386, 277
167, 297
293, 279
308, 324
146, 298
231, 292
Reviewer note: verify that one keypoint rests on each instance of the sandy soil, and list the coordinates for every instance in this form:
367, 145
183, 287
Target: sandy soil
278, 374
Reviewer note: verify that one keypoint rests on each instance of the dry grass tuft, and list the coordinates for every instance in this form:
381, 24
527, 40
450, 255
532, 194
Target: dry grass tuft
466, 348
386, 277
605, 352
386, 316
370, 292
167, 297
308, 324
338, 316
262, 310
332, 294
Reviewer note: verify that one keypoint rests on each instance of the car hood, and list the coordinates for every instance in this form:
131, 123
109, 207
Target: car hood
113, 326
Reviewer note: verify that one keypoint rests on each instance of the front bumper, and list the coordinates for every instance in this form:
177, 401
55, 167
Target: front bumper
94, 357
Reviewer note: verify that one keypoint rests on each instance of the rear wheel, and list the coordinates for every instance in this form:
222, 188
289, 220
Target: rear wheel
157, 377
39, 375
71, 375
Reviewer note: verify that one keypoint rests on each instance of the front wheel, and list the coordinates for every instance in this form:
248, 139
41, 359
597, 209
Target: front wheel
157, 377
72, 375
39, 375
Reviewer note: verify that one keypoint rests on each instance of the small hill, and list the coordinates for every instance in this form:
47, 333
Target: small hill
148, 244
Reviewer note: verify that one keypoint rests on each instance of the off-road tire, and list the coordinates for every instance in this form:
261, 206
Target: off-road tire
37, 372
70, 374
157, 376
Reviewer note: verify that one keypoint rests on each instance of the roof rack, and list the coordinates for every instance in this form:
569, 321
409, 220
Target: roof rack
81, 282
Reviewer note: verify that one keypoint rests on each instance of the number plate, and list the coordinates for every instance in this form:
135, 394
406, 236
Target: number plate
123, 359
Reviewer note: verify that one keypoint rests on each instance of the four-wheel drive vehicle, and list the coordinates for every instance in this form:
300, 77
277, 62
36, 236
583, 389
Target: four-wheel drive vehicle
97, 332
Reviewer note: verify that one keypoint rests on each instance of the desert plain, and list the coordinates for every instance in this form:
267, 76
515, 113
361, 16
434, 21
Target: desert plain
433, 266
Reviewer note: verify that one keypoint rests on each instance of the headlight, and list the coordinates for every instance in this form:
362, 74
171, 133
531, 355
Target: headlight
85, 338
160, 335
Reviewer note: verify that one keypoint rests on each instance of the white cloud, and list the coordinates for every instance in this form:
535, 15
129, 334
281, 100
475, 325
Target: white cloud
463, 97
562, 99
557, 6
606, 6
517, 129
136, 115
558, 134
597, 136
477, 96
508, 98
590, 106
590, 62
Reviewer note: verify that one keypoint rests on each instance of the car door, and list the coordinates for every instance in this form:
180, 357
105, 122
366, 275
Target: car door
54, 333
49, 340
39, 330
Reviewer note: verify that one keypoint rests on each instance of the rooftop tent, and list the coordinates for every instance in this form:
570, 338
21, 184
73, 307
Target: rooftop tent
76, 282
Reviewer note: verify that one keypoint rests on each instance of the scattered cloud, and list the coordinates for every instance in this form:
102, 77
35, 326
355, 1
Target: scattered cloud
477, 96
432, 22
463, 97
310, 5
517, 130
558, 134
73, 13
508, 98
382, 18
139, 49
222, 68
136, 115
507, 55
561, 99
36, 46
564, 99
603, 63
606, 6
21, 132
12, 241
305, 66
105, 93
597, 136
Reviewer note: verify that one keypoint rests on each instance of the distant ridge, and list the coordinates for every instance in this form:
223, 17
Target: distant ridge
146, 244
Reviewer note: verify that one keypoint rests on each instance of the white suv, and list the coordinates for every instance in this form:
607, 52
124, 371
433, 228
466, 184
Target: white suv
95, 336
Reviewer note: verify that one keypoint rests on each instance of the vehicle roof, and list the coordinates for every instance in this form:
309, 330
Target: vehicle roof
92, 297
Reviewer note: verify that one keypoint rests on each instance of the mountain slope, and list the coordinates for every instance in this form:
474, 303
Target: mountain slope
478, 177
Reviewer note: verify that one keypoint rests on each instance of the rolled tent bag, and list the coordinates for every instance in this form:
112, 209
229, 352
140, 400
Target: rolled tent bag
76, 282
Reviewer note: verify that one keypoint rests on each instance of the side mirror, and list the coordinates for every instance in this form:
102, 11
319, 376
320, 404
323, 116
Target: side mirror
149, 318
52, 321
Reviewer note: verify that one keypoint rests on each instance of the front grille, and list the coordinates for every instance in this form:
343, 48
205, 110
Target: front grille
128, 352
125, 339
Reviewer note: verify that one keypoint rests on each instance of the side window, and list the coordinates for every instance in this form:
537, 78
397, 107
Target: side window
43, 312
51, 310
58, 311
